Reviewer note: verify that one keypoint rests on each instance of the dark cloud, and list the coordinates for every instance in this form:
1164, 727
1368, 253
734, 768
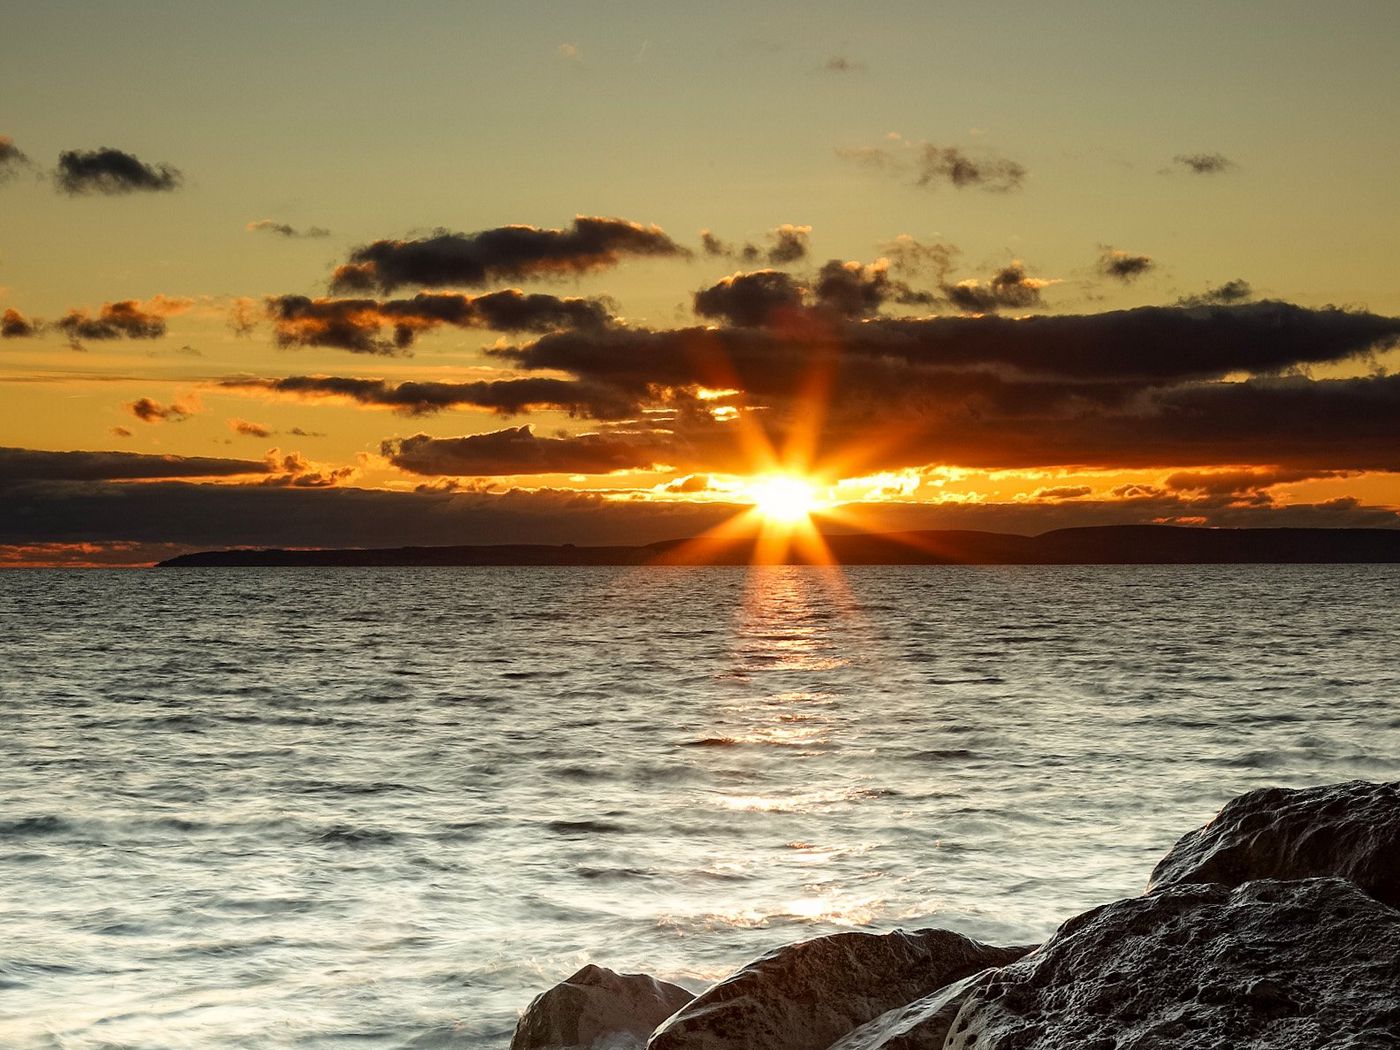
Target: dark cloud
842, 64
1241, 482
754, 298
127, 317
1124, 266
12, 158
1062, 492
786, 244
111, 172
952, 165
854, 289
502, 253
912, 258
14, 325
712, 245
121, 432
1339, 424
506, 396
790, 244
201, 516
247, 428
149, 411
191, 516
23, 464
1150, 343
517, 451
1127, 387
1236, 291
283, 229
293, 470
845, 289
356, 324
1009, 287
929, 165
1203, 163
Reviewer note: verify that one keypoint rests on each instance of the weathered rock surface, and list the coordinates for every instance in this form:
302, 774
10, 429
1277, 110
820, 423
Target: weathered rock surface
1266, 966
921, 1025
597, 1005
805, 996
1351, 830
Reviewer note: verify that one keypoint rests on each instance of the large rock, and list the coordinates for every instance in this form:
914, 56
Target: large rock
1351, 830
805, 996
921, 1025
1269, 965
598, 1006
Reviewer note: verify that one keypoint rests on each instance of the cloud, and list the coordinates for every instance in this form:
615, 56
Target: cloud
505, 396
755, 298
1136, 387
846, 289
790, 244
14, 325
111, 172
1062, 492
23, 464
1124, 266
1203, 163
516, 451
691, 483
12, 158
853, 289
950, 164
1236, 291
910, 257
282, 229
930, 165
202, 516
182, 515
712, 245
149, 411
786, 244
356, 324
1008, 287
842, 64
1147, 344
1239, 482
127, 317
247, 428
121, 432
293, 470
502, 253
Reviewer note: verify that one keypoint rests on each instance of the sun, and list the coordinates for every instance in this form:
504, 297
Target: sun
783, 499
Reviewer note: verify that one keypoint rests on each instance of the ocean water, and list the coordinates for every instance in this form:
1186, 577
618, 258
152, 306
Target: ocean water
384, 808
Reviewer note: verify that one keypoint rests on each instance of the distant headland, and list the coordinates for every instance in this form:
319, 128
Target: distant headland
1101, 545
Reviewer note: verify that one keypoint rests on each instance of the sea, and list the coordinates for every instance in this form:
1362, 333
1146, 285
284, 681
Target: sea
374, 808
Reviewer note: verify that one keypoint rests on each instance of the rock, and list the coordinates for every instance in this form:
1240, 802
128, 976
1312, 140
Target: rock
805, 996
922, 1025
597, 1005
1265, 966
1351, 830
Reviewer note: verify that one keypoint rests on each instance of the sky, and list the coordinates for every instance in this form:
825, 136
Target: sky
353, 274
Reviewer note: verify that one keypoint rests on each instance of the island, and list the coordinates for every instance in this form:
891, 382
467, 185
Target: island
1096, 545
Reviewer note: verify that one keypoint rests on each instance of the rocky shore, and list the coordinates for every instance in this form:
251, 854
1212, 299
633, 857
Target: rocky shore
1274, 927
